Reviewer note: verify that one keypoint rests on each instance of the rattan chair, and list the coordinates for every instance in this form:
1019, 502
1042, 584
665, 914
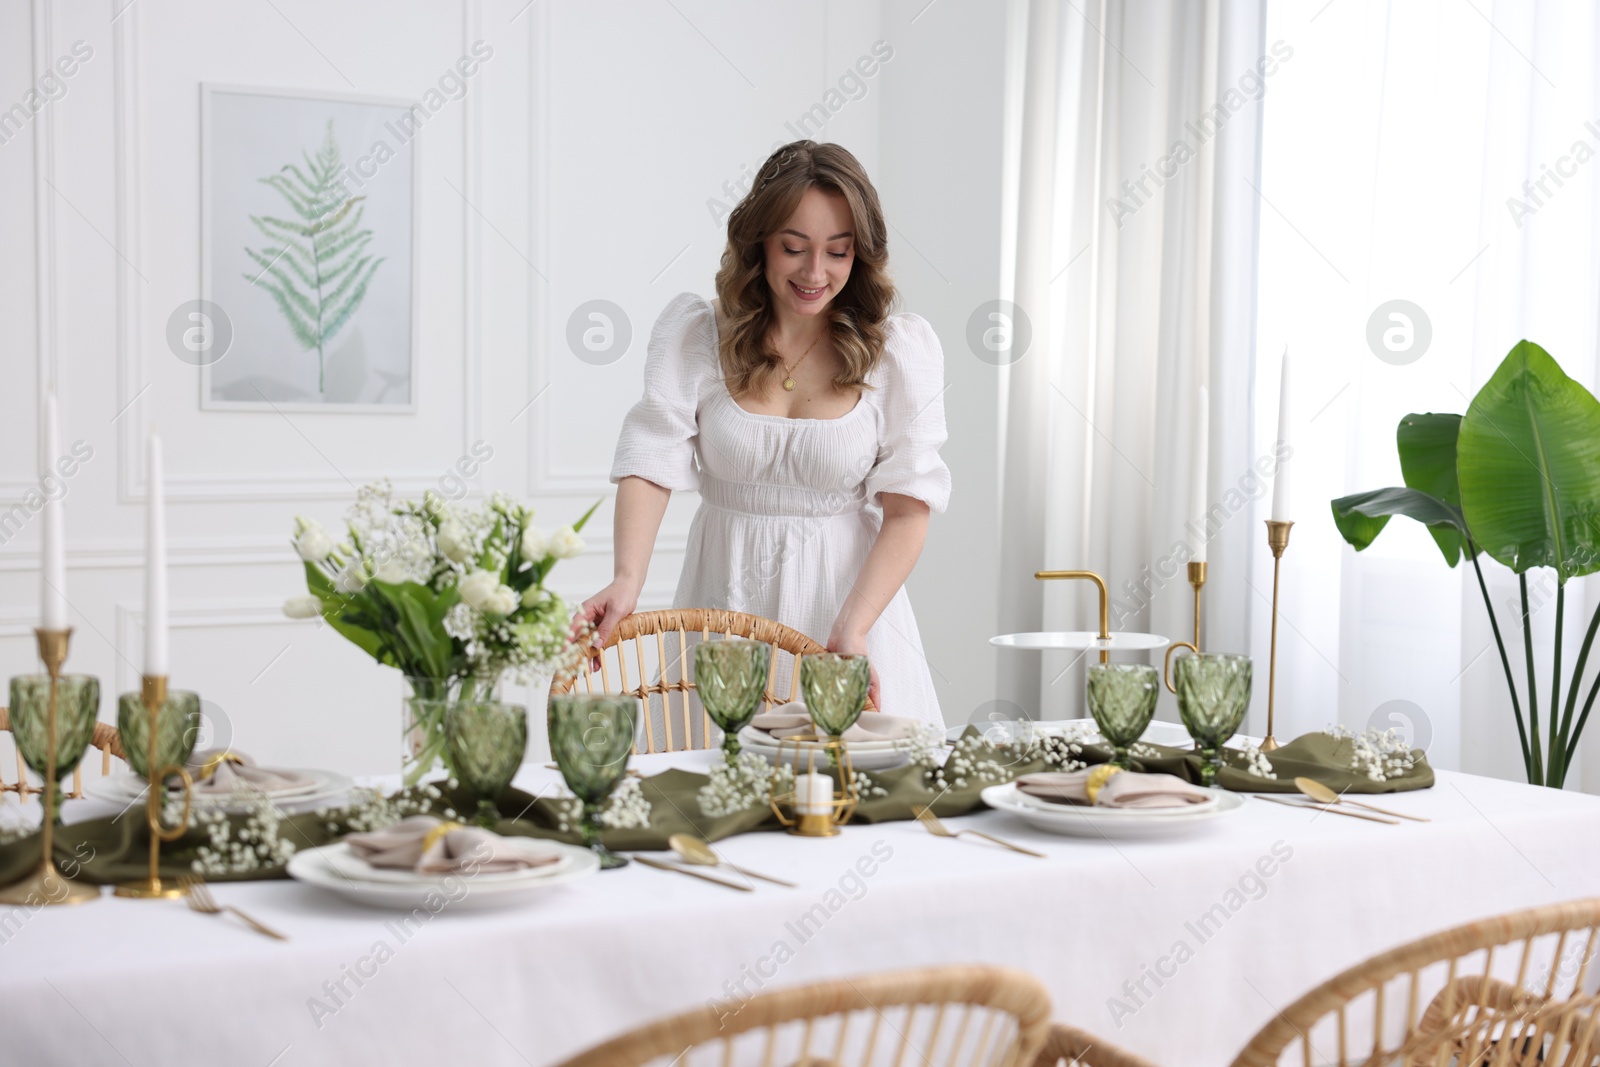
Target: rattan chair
1067, 1046
660, 641
961, 1016
105, 739
1512, 991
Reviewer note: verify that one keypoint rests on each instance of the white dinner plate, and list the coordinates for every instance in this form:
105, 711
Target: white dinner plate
126, 787
342, 861
1125, 823
448, 893
1076, 640
862, 759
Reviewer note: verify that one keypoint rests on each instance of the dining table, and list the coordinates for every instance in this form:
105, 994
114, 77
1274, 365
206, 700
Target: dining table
1177, 948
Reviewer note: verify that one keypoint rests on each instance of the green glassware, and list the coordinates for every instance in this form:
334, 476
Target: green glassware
591, 737
1213, 695
1122, 699
731, 675
485, 742
77, 709
177, 728
835, 689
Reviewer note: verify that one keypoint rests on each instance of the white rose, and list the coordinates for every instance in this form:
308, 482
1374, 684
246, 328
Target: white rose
535, 545
313, 542
565, 543
477, 587
453, 542
533, 595
302, 607
352, 579
392, 571
502, 602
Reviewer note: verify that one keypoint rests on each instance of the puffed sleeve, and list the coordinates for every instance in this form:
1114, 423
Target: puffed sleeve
910, 394
658, 435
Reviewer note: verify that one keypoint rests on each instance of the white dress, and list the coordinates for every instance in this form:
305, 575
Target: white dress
790, 507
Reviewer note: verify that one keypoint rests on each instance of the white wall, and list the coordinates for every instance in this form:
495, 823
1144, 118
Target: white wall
578, 166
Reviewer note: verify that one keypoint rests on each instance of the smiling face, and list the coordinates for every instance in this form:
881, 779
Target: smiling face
808, 259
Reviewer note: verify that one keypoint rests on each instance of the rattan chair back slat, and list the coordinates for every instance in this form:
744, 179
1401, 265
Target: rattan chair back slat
815, 1025
667, 703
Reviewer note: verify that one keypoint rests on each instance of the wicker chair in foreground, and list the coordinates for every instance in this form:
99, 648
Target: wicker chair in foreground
668, 634
956, 1016
1512, 991
105, 739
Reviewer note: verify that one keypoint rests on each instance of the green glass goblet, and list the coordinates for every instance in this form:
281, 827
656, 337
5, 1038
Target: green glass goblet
485, 742
1122, 699
77, 709
731, 675
177, 728
1213, 695
835, 689
591, 737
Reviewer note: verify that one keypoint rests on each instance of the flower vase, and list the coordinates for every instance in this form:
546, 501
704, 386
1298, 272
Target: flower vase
423, 751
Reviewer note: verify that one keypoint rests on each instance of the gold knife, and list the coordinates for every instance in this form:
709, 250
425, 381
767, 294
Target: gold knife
1327, 808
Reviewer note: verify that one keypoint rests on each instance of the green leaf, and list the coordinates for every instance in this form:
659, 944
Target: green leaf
1528, 459
1427, 447
1360, 517
430, 645
577, 527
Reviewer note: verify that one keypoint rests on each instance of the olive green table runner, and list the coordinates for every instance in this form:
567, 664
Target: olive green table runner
110, 850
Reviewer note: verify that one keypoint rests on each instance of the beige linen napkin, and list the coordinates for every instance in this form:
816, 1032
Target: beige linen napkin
1124, 789
792, 720
215, 771
428, 845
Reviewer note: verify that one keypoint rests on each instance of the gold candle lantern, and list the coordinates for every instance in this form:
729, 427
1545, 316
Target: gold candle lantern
808, 814
153, 692
47, 885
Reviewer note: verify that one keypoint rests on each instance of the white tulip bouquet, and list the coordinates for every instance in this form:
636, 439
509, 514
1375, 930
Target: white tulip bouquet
452, 596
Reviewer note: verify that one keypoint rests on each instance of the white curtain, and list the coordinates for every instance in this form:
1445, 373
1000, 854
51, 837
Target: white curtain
1135, 155
1398, 141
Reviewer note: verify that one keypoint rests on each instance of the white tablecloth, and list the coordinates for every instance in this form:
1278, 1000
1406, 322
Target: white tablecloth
152, 983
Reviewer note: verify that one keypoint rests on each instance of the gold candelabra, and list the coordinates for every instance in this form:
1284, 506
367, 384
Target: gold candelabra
842, 800
1277, 541
1197, 578
153, 693
46, 885
1105, 603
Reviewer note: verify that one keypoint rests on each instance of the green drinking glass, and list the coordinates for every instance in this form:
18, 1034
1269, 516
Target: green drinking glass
1213, 695
731, 676
485, 742
591, 737
835, 689
77, 709
1122, 699
177, 728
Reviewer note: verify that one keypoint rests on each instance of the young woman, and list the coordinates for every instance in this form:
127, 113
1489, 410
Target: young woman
808, 418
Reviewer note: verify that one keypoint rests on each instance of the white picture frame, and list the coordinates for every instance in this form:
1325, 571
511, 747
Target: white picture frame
267, 366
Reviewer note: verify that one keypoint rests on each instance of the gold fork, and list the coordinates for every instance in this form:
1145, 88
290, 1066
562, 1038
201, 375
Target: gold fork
198, 894
928, 819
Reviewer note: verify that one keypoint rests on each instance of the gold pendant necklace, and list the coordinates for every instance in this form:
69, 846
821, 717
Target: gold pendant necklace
788, 371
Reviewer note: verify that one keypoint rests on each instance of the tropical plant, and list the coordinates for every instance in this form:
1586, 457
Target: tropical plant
318, 267
1517, 478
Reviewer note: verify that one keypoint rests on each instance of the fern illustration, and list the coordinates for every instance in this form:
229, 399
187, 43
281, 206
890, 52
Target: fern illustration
316, 270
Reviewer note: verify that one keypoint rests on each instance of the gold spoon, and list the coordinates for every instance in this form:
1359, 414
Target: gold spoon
1323, 795
692, 849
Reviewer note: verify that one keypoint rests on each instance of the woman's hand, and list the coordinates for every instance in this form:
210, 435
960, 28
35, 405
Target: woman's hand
604, 610
854, 645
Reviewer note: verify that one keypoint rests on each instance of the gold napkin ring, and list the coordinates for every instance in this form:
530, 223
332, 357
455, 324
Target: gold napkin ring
1098, 778
211, 765
434, 835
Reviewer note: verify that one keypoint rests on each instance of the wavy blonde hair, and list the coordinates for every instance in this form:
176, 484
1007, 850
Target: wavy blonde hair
855, 316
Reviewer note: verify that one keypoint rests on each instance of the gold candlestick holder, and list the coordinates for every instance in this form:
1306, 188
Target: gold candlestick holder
1277, 541
843, 798
47, 885
1105, 603
1197, 579
153, 693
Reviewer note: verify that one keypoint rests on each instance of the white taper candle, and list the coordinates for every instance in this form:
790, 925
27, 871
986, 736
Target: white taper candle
52, 533
155, 566
1199, 456
1280, 480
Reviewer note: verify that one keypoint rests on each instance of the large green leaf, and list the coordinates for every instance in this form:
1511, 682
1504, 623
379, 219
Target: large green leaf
1360, 517
1528, 459
1427, 447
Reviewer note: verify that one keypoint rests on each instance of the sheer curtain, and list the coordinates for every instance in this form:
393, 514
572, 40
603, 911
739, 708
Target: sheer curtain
1136, 144
1397, 145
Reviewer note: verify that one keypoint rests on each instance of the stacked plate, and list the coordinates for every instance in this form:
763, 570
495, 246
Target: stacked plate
864, 755
125, 788
1075, 820
338, 870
